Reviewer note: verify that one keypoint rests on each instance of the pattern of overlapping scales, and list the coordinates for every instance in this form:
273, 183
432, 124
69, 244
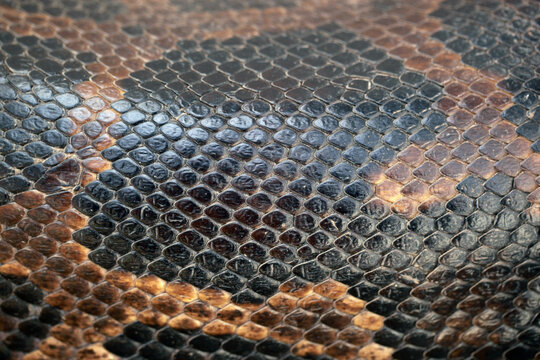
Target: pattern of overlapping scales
40, 116
256, 181
330, 192
76, 9
507, 44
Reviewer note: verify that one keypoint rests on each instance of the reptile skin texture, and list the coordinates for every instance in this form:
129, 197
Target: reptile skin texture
269, 179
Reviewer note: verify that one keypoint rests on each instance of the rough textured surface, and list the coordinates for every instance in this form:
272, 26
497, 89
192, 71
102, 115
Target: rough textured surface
286, 179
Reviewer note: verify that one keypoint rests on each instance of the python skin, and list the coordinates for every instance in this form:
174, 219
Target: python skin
269, 179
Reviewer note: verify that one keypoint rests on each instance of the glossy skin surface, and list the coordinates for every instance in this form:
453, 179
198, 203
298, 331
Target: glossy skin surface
285, 179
